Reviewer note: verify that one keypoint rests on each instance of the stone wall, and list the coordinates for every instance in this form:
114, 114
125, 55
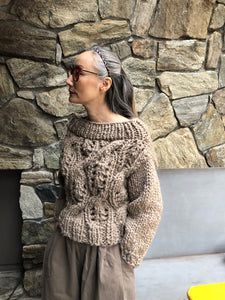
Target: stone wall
173, 52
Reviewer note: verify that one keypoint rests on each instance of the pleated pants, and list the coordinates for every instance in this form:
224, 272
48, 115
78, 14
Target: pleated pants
79, 271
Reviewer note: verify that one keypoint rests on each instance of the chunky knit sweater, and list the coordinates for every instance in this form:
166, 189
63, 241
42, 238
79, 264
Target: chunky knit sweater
111, 188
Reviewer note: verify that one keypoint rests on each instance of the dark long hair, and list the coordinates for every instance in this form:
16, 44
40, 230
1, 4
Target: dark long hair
120, 96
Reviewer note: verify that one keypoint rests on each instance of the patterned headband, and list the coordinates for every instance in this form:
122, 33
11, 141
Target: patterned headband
99, 53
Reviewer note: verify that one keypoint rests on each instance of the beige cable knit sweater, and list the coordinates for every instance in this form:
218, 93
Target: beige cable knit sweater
111, 188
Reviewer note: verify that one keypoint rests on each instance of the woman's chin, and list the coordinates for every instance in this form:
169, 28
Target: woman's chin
73, 97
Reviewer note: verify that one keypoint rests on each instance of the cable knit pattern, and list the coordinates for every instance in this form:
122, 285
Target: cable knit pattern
111, 187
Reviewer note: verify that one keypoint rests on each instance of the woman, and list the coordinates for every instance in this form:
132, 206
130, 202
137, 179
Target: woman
111, 203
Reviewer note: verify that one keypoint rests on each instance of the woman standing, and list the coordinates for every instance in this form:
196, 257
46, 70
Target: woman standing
111, 204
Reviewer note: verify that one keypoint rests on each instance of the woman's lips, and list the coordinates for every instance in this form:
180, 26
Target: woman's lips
72, 92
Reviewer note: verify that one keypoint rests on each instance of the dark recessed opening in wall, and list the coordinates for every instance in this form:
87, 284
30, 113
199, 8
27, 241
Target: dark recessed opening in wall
10, 221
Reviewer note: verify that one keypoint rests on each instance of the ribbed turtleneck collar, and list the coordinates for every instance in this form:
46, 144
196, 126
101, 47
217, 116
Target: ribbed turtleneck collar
133, 128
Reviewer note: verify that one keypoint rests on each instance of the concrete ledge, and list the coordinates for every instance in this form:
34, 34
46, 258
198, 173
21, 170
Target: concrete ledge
170, 278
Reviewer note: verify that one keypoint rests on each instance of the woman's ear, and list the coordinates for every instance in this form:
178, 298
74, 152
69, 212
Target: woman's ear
106, 84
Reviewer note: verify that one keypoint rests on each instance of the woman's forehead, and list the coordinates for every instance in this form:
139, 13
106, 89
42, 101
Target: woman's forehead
84, 59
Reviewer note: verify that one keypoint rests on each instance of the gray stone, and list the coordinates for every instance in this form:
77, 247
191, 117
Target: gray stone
216, 156
189, 110
30, 204
8, 281
37, 232
219, 100
223, 119
56, 177
116, 8
141, 72
33, 251
6, 85
178, 150
4, 2
58, 56
32, 281
26, 126
61, 127
178, 85
142, 15
17, 293
187, 21
26, 94
29, 298
223, 47
56, 102
6, 16
38, 159
48, 209
130, 39
20, 39
28, 264
51, 156
218, 17
159, 116
85, 35
33, 256
78, 108
222, 71
214, 50
55, 14
35, 177
142, 97
209, 131
14, 159
122, 49
181, 55
48, 192
144, 48
30, 74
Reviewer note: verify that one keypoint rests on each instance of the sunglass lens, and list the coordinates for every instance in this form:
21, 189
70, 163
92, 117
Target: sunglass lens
75, 71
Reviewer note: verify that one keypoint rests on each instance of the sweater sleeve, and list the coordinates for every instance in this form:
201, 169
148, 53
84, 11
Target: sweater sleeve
61, 202
144, 208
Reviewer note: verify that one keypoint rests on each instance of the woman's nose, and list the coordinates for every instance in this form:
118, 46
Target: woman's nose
69, 80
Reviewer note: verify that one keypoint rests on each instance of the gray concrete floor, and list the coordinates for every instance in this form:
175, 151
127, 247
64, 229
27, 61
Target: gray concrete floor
170, 278
156, 279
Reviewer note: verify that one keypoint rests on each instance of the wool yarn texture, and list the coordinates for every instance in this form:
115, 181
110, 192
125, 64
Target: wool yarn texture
111, 189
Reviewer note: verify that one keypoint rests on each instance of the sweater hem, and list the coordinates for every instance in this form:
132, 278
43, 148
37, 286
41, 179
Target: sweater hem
85, 240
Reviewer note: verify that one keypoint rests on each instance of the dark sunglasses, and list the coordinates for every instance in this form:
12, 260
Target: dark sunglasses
76, 71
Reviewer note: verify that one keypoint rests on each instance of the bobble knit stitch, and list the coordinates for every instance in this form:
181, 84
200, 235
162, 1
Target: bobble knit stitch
111, 188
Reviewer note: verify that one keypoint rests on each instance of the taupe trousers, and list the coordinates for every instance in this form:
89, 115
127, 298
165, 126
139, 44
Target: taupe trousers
78, 271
